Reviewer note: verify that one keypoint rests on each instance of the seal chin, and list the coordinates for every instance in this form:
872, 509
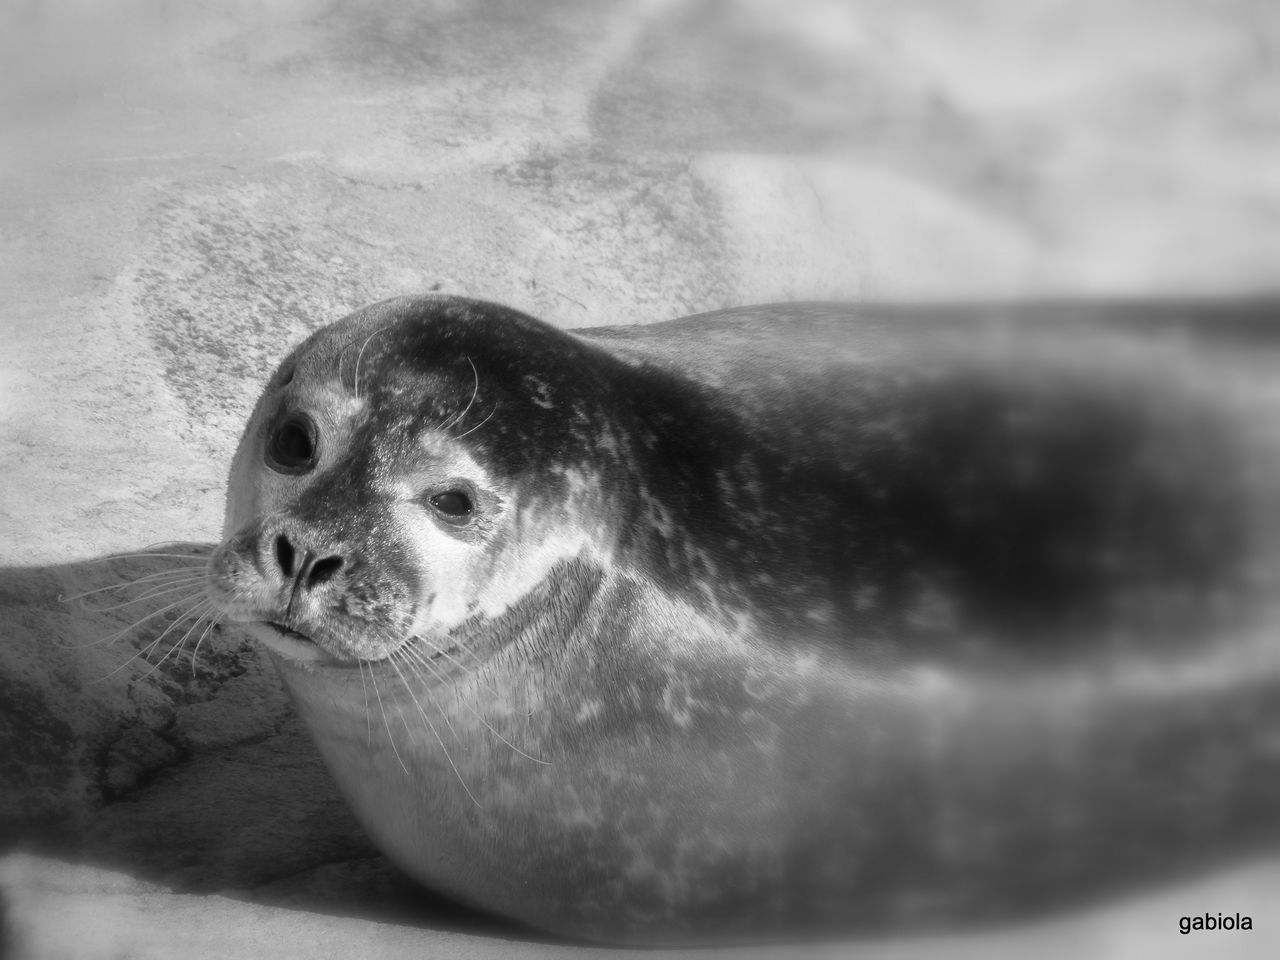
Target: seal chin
288, 644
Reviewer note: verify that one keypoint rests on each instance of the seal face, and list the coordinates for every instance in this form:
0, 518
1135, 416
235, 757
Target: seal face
359, 514
775, 620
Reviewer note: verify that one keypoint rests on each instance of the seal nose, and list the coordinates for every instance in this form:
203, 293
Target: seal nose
307, 571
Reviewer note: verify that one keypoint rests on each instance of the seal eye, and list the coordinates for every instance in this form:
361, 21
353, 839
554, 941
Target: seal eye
292, 446
454, 504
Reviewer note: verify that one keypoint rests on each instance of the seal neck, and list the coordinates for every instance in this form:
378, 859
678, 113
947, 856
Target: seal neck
543, 619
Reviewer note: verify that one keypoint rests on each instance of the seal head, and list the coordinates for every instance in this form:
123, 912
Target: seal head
377, 497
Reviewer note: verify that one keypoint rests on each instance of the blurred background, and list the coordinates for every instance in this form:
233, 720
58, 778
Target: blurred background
187, 189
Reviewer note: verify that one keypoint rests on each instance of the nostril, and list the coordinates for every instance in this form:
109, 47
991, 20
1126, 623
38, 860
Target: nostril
284, 555
323, 570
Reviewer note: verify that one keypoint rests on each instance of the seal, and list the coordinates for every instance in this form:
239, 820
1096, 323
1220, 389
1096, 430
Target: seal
778, 620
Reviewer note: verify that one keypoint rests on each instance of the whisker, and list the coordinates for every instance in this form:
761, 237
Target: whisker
465, 668
195, 550
195, 595
432, 727
479, 425
355, 382
367, 715
403, 654
382, 708
154, 643
204, 635
162, 575
111, 558
177, 647
410, 652
153, 592
475, 390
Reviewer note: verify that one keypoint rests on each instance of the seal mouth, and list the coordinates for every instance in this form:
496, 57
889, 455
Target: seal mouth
287, 643
291, 645
288, 632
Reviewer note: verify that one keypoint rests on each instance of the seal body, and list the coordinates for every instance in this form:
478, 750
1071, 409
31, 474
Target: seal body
776, 620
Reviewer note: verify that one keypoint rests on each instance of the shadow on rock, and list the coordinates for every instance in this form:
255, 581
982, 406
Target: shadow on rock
125, 747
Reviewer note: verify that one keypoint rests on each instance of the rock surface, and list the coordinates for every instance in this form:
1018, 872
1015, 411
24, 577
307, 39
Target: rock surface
188, 191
